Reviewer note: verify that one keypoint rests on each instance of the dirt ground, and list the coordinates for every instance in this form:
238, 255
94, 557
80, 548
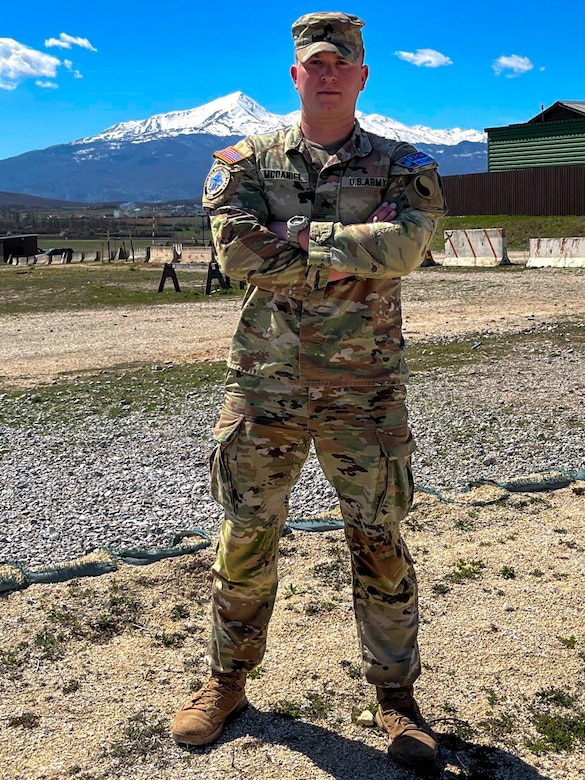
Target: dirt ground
92, 670
436, 302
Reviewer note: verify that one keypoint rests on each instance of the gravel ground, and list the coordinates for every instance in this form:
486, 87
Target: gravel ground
136, 481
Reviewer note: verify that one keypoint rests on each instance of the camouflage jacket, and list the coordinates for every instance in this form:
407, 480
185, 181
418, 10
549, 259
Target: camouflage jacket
295, 325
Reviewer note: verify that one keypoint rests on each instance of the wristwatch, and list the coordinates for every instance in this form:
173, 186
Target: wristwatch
293, 227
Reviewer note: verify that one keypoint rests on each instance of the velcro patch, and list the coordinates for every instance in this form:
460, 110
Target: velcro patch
415, 160
216, 181
229, 155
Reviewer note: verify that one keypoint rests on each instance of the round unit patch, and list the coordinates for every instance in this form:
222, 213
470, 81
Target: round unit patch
425, 186
216, 181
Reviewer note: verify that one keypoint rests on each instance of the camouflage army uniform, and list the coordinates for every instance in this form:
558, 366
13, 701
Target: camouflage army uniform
312, 360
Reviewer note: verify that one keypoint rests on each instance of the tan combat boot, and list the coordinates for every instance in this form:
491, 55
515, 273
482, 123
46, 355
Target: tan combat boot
412, 742
201, 719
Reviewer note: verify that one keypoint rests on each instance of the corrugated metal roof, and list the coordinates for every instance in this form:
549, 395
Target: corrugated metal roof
574, 105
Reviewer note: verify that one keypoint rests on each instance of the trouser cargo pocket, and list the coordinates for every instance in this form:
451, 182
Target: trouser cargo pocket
223, 461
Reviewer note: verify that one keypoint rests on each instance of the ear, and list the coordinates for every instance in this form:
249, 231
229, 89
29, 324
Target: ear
365, 74
294, 73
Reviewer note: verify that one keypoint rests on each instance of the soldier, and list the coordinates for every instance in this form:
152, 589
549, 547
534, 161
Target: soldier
321, 219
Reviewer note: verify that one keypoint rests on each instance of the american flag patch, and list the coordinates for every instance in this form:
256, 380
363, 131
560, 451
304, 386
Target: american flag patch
229, 155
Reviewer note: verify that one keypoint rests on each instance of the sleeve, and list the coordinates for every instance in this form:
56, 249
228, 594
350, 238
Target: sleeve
385, 248
246, 249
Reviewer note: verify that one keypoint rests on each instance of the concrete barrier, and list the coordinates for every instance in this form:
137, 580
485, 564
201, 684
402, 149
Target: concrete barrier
475, 247
557, 253
196, 254
159, 255
76, 257
140, 255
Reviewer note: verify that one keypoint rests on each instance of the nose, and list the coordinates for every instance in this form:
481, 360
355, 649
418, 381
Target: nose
328, 73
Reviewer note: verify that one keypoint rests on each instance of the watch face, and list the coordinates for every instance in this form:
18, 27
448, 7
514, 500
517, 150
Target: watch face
297, 220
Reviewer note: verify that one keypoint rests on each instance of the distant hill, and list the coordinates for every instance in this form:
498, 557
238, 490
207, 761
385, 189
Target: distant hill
21, 200
167, 156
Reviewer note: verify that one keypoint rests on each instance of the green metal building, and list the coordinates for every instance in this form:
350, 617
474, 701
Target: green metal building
556, 136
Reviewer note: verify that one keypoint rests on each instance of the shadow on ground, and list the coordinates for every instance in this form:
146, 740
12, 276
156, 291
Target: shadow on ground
347, 759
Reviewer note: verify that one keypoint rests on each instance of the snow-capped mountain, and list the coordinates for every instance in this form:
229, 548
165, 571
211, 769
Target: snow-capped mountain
167, 156
237, 114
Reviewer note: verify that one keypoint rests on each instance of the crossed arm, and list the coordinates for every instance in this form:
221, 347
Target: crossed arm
386, 212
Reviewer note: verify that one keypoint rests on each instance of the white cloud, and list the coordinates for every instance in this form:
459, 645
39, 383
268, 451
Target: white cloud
429, 58
69, 65
46, 84
515, 64
65, 41
19, 62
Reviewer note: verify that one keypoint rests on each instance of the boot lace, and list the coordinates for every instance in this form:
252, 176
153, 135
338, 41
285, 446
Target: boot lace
215, 689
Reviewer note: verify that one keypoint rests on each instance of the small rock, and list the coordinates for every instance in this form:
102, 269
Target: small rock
365, 719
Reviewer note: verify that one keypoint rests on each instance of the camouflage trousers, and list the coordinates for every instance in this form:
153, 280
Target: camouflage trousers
363, 443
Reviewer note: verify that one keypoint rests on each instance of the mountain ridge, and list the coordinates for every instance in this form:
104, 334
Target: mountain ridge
237, 113
167, 156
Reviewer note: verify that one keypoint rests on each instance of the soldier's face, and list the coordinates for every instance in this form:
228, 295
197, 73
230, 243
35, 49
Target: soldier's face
328, 84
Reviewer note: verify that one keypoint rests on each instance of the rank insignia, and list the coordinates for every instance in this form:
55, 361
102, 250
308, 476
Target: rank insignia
415, 160
216, 181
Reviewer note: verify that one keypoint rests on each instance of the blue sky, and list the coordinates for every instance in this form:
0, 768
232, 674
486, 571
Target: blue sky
70, 69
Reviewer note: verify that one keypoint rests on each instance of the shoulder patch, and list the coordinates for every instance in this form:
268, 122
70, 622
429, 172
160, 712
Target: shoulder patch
415, 160
229, 155
217, 181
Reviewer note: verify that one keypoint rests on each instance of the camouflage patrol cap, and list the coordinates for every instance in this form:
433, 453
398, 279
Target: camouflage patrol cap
328, 31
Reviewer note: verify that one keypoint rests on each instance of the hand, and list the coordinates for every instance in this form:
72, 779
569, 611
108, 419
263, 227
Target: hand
386, 212
279, 228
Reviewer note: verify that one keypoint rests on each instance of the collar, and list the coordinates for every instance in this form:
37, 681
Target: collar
357, 145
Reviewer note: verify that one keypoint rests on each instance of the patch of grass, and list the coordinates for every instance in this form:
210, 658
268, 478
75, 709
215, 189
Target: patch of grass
70, 687
8, 660
466, 570
47, 641
519, 228
500, 726
293, 590
170, 638
117, 392
556, 732
287, 708
256, 673
121, 602
554, 695
456, 353
142, 737
441, 589
508, 572
334, 573
316, 707
28, 720
180, 612
68, 287
320, 607
352, 670
466, 523
570, 642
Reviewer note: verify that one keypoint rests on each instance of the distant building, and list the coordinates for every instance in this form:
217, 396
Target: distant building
18, 246
556, 136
